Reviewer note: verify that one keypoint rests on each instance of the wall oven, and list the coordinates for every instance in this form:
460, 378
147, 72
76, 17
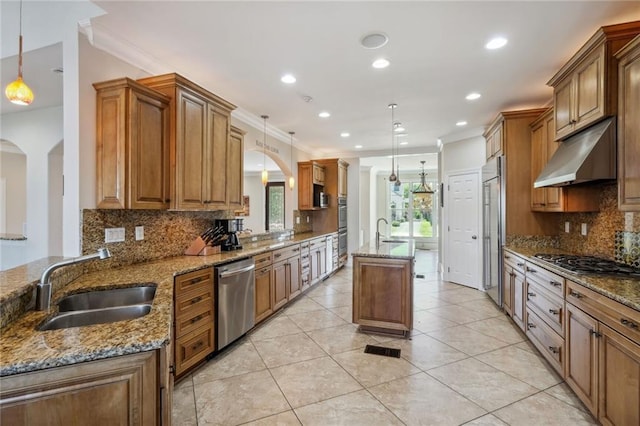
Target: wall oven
342, 242
342, 212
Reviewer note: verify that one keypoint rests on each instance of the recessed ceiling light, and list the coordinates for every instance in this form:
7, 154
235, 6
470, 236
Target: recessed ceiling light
358, 146
374, 40
380, 63
324, 114
461, 123
496, 43
473, 96
345, 134
288, 78
404, 143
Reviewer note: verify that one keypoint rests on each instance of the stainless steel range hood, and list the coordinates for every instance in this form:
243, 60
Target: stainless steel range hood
587, 156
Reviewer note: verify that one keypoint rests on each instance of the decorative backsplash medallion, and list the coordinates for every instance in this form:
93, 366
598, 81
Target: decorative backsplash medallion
627, 246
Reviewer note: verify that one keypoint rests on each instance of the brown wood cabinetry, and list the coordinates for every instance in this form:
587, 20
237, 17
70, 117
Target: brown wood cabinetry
318, 174
286, 274
205, 156
586, 87
516, 148
335, 185
132, 146
305, 266
603, 344
383, 293
235, 175
342, 178
121, 390
311, 178
494, 141
553, 199
513, 287
194, 319
264, 295
317, 259
628, 130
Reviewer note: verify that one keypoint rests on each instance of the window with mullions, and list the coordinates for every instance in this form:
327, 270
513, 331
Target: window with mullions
274, 206
410, 215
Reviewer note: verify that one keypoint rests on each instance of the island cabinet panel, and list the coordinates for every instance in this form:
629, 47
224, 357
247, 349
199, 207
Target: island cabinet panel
116, 391
383, 293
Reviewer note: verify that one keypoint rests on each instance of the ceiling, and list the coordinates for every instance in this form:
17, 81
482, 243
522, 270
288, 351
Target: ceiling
239, 50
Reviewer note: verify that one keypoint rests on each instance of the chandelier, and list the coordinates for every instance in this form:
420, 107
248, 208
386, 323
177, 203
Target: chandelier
423, 194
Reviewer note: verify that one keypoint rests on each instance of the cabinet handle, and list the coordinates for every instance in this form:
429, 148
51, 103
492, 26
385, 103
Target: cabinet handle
277, 255
543, 204
167, 200
554, 311
575, 294
574, 121
530, 325
507, 257
296, 249
196, 319
194, 281
554, 349
533, 271
265, 270
520, 264
196, 300
197, 345
595, 333
530, 294
628, 323
555, 283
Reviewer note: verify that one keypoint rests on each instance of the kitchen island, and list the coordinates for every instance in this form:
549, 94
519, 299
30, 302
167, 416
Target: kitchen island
383, 287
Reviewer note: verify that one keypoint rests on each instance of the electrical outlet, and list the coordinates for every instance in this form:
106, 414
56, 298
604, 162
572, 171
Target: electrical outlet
298, 220
307, 219
113, 235
139, 233
254, 239
567, 227
583, 229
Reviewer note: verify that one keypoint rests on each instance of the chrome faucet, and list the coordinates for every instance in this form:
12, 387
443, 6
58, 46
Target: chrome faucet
378, 229
43, 295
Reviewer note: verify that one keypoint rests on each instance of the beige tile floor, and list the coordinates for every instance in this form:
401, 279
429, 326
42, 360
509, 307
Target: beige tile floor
465, 363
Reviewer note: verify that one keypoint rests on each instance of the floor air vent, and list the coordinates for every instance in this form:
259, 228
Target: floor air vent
380, 350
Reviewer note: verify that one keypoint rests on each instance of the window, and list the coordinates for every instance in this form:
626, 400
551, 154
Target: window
411, 217
274, 206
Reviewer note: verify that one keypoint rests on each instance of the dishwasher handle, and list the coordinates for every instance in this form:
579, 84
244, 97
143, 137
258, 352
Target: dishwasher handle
232, 272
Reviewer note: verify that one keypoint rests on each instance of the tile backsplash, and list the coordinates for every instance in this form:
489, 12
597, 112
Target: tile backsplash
627, 248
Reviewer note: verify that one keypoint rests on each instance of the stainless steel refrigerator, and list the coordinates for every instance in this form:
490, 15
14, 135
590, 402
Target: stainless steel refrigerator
493, 191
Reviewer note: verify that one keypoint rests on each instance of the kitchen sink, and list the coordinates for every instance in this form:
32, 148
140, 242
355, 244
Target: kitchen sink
94, 316
100, 299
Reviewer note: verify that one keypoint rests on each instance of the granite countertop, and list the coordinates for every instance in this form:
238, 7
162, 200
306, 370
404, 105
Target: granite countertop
12, 237
404, 249
620, 289
25, 349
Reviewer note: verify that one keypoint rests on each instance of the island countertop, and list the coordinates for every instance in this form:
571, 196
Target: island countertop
400, 249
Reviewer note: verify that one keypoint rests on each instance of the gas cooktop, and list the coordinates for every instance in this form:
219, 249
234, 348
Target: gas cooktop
589, 265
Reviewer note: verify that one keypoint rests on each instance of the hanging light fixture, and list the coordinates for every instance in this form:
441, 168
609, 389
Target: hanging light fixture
392, 176
292, 181
18, 92
397, 184
423, 193
265, 173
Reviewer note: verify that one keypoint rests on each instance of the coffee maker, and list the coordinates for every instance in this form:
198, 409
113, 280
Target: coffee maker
231, 227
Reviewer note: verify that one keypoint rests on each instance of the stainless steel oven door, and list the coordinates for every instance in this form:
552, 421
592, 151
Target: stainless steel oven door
342, 242
342, 212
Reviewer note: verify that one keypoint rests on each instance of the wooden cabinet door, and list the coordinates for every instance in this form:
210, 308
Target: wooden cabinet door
589, 89
581, 370
619, 379
117, 391
295, 283
519, 299
496, 141
264, 297
342, 179
235, 171
628, 131
538, 161
191, 152
280, 284
507, 285
553, 196
563, 108
305, 186
217, 159
318, 174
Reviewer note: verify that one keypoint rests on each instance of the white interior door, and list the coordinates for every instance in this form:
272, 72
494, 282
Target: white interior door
463, 230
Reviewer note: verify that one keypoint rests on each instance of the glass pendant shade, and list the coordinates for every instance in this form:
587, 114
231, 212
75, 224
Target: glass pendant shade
17, 91
292, 183
265, 173
265, 177
392, 176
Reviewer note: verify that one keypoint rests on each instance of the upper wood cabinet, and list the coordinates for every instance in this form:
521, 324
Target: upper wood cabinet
628, 130
494, 141
132, 144
235, 175
554, 199
311, 180
318, 174
204, 154
586, 87
342, 178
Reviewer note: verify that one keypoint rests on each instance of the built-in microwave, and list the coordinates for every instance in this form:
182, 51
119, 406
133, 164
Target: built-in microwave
324, 200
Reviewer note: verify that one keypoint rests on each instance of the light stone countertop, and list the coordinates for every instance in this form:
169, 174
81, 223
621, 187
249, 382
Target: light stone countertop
620, 289
24, 349
403, 249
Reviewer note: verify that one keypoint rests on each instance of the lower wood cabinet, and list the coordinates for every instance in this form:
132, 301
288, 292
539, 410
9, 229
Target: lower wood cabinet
518, 289
122, 390
286, 275
264, 295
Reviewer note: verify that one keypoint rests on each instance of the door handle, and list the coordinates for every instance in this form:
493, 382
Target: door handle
474, 237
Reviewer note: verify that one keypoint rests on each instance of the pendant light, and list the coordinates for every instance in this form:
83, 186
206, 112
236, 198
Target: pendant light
292, 181
392, 176
265, 173
423, 193
18, 92
397, 183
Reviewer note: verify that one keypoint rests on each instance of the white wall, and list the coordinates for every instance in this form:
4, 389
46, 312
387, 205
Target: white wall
56, 191
463, 155
365, 204
13, 167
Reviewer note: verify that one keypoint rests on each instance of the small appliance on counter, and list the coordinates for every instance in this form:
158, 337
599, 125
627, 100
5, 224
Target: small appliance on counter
230, 227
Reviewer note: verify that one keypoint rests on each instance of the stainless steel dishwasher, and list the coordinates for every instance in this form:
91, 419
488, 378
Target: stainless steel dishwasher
236, 287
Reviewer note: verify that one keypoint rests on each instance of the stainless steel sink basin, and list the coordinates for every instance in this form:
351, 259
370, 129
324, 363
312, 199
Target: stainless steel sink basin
94, 316
395, 241
100, 299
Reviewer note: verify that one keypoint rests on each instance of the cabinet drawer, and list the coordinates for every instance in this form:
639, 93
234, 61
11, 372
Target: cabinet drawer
304, 246
548, 306
545, 278
193, 280
623, 319
196, 317
548, 342
193, 348
264, 259
286, 252
317, 243
264, 270
516, 262
201, 297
